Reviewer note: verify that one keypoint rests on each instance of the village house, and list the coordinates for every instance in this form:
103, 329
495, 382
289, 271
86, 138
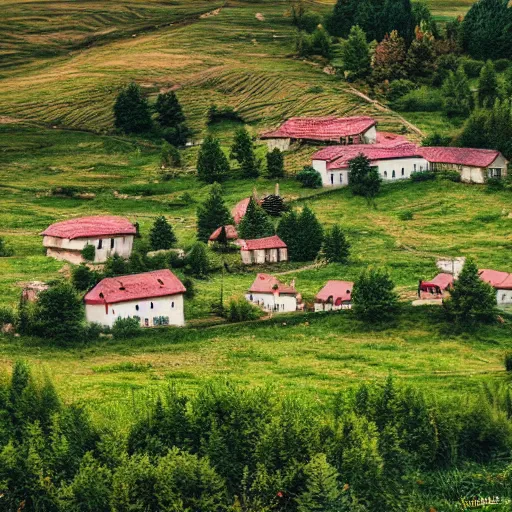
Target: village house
501, 282
155, 298
395, 160
272, 295
231, 234
334, 295
436, 288
270, 249
107, 234
322, 130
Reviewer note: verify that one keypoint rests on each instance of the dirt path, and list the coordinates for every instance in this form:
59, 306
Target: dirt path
301, 269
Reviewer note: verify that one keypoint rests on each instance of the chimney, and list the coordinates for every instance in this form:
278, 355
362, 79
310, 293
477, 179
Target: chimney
292, 284
277, 189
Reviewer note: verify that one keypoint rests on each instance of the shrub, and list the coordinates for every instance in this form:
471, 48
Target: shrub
436, 139
449, 175
420, 100
89, 252
423, 176
508, 361
65, 191
501, 65
406, 215
216, 114
309, 178
198, 262
190, 286
241, 310
495, 184
83, 277
170, 156
7, 316
399, 88
5, 251
125, 328
472, 67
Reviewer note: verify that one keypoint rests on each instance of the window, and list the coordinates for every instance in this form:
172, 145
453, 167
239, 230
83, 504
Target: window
172, 304
112, 243
137, 307
332, 179
503, 297
393, 175
341, 178
494, 172
414, 167
403, 171
152, 306
385, 174
100, 244
350, 140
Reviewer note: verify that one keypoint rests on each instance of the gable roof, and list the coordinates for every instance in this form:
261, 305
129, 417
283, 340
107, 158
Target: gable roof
239, 210
112, 290
338, 157
497, 279
443, 281
269, 242
86, 227
340, 291
265, 283
321, 128
231, 233
460, 156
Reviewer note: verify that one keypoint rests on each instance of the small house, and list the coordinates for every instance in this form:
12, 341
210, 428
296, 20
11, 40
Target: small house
270, 249
501, 282
436, 288
231, 234
108, 235
334, 295
272, 295
155, 298
322, 130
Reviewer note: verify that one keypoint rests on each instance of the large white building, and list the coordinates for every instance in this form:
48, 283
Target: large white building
501, 282
272, 295
108, 235
155, 298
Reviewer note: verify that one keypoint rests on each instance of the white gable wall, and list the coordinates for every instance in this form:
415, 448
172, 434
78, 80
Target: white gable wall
503, 296
370, 135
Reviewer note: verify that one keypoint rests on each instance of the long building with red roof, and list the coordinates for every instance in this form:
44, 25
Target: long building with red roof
272, 295
107, 234
155, 298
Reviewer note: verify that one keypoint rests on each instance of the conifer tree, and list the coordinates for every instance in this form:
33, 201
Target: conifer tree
82, 277
287, 230
471, 300
342, 18
161, 235
275, 164
212, 164
355, 54
212, 214
131, 110
389, 58
250, 166
398, 15
420, 59
255, 223
364, 180
310, 235
198, 263
242, 151
168, 108
336, 247
458, 98
488, 87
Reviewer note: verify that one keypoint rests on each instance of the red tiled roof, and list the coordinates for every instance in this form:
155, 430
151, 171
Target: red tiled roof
111, 290
239, 210
86, 227
442, 280
321, 128
231, 233
460, 156
340, 291
338, 157
390, 138
269, 242
497, 279
265, 283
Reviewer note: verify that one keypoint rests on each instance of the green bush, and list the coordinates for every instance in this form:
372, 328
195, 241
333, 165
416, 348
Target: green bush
406, 215
508, 361
472, 67
309, 178
7, 316
449, 175
423, 99
399, 88
5, 251
501, 65
241, 310
423, 176
89, 252
436, 139
125, 328
495, 184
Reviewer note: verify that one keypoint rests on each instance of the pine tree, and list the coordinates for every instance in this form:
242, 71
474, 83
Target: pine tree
397, 15
250, 166
131, 110
197, 261
161, 235
421, 56
471, 300
342, 18
288, 232
255, 223
242, 146
355, 54
212, 164
373, 297
364, 180
488, 87
310, 236
336, 247
275, 164
212, 214
458, 98
168, 108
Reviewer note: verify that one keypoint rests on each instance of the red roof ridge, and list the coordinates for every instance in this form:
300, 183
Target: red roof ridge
473, 157
496, 278
337, 290
268, 242
266, 283
231, 233
86, 227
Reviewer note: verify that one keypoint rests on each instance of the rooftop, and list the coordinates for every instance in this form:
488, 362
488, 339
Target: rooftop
231, 233
86, 227
265, 283
321, 128
269, 242
340, 291
442, 280
239, 210
496, 278
112, 290
460, 156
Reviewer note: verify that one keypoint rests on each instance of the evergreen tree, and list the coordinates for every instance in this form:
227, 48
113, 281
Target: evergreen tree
458, 98
288, 232
242, 146
161, 235
342, 18
423, 18
250, 166
488, 87
198, 263
212, 214
275, 164
389, 58
355, 54
168, 108
471, 300
212, 164
364, 180
336, 247
255, 223
309, 177
309, 234
421, 56
373, 297
398, 15
131, 110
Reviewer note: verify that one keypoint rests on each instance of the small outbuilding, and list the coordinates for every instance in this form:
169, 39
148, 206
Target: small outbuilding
272, 295
501, 282
334, 295
270, 249
231, 234
436, 288
155, 298
108, 235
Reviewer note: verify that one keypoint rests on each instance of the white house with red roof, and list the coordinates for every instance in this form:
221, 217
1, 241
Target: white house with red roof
155, 298
259, 251
271, 295
323, 130
474, 165
109, 235
501, 282
334, 295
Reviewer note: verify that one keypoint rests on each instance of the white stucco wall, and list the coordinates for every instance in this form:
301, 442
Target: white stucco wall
503, 297
320, 306
170, 306
70, 250
272, 302
262, 256
370, 136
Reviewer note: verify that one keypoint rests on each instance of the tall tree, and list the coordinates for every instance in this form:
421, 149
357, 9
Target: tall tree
161, 235
457, 95
310, 235
212, 214
131, 110
255, 223
364, 180
471, 300
169, 110
342, 18
397, 15
275, 164
288, 231
197, 261
421, 56
389, 58
336, 247
355, 54
242, 146
488, 87
423, 18
212, 164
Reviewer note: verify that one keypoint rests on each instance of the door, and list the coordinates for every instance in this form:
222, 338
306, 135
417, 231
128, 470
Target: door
332, 179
